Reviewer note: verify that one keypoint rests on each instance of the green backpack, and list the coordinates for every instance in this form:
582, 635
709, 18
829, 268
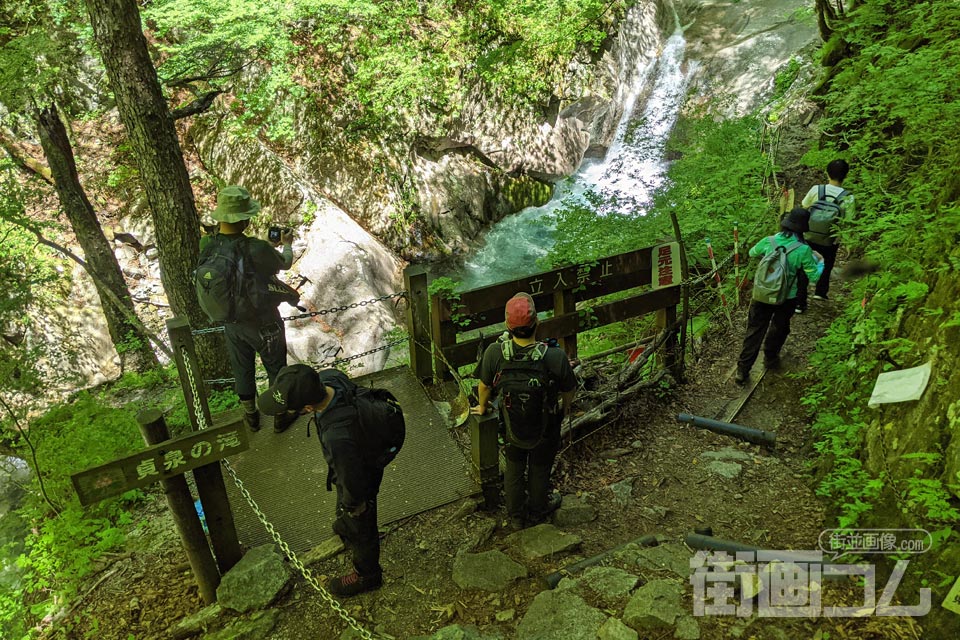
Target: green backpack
771, 284
220, 278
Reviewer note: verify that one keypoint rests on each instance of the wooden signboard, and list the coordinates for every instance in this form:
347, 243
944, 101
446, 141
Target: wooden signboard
160, 462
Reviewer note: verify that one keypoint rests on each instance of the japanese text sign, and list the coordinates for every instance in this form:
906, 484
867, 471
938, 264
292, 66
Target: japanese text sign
160, 462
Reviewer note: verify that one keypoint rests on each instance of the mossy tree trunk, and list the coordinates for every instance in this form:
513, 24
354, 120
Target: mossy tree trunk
118, 33
132, 345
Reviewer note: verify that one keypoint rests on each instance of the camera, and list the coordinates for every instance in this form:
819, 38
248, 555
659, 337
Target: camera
274, 233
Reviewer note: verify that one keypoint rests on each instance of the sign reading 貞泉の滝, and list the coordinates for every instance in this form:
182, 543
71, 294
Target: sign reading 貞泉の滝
160, 462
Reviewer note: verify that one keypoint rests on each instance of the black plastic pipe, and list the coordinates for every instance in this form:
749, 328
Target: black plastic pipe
756, 436
552, 580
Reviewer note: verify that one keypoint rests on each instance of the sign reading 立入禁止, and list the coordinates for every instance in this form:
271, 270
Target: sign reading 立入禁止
666, 265
160, 462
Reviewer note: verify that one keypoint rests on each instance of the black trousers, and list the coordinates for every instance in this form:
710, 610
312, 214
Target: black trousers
829, 254
526, 478
360, 534
759, 318
244, 342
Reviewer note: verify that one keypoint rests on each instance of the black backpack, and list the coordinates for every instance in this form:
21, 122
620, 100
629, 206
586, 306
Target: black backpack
528, 394
382, 428
382, 425
229, 289
220, 278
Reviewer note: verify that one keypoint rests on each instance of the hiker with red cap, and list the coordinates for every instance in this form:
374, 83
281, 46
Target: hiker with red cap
535, 385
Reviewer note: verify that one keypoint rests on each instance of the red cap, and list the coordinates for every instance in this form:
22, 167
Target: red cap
520, 311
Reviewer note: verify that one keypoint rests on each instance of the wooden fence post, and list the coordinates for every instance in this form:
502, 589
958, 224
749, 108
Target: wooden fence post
418, 321
209, 478
442, 335
485, 455
185, 517
667, 319
565, 302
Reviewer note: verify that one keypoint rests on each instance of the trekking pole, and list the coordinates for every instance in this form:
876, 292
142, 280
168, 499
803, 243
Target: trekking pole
716, 276
736, 259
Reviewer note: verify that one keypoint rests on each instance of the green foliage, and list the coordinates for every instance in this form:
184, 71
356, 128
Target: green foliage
785, 77
716, 181
374, 62
448, 289
891, 111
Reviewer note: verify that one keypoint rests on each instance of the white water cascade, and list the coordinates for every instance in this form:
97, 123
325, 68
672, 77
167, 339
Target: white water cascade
629, 174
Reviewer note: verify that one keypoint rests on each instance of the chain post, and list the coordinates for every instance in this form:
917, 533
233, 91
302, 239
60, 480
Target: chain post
209, 478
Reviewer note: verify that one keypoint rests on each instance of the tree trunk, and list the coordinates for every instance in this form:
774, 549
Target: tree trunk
825, 15
118, 32
133, 347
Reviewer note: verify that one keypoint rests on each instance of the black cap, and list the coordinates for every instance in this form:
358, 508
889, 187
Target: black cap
797, 220
295, 387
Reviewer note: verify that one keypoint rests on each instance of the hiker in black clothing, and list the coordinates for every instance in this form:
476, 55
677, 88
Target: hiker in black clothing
325, 394
800, 259
255, 330
825, 241
533, 438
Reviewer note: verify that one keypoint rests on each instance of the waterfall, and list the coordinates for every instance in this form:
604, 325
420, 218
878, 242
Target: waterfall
629, 174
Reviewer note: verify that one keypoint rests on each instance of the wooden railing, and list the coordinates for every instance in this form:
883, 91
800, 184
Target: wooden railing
655, 270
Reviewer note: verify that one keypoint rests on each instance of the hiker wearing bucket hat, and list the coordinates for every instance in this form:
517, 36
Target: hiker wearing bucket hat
536, 385
775, 291
252, 323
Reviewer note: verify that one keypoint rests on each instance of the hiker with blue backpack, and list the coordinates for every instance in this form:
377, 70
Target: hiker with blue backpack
784, 256
361, 430
829, 204
535, 385
236, 284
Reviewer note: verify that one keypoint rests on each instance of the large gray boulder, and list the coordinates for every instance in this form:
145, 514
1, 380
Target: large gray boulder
255, 581
488, 571
655, 605
542, 541
560, 614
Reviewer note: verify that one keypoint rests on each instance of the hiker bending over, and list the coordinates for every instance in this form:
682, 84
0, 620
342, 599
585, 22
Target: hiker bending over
360, 433
236, 284
530, 379
785, 255
829, 204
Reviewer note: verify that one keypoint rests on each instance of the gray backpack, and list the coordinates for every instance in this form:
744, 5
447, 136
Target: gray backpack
771, 284
823, 213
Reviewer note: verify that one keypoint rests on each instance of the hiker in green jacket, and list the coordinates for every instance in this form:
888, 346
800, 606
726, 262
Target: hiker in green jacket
800, 259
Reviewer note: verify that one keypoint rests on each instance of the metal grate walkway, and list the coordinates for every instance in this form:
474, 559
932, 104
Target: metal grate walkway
286, 474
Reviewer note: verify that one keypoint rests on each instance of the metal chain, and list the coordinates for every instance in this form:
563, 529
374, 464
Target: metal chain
352, 305
332, 363
306, 573
312, 314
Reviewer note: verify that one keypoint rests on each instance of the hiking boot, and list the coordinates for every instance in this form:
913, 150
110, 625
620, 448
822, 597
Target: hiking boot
283, 421
800, 310
251, 417
353, 583
553, 503
817, 296
771, 364
513, 524
741, 376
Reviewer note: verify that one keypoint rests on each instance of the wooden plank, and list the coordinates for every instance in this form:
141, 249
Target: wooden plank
484, 306
465, 352
160, 462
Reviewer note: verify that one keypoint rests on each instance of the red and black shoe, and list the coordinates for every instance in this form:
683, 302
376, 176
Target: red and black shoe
353, 583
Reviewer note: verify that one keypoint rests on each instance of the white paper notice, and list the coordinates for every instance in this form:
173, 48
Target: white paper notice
900, 386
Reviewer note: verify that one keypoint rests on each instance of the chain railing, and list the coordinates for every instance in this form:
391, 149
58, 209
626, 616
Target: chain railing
288, 552
314, 314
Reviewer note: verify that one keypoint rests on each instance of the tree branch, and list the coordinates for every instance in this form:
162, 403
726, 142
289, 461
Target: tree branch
199, 105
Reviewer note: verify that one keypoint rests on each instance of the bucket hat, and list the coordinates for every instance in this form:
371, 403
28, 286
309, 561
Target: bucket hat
234, 204
797, 220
